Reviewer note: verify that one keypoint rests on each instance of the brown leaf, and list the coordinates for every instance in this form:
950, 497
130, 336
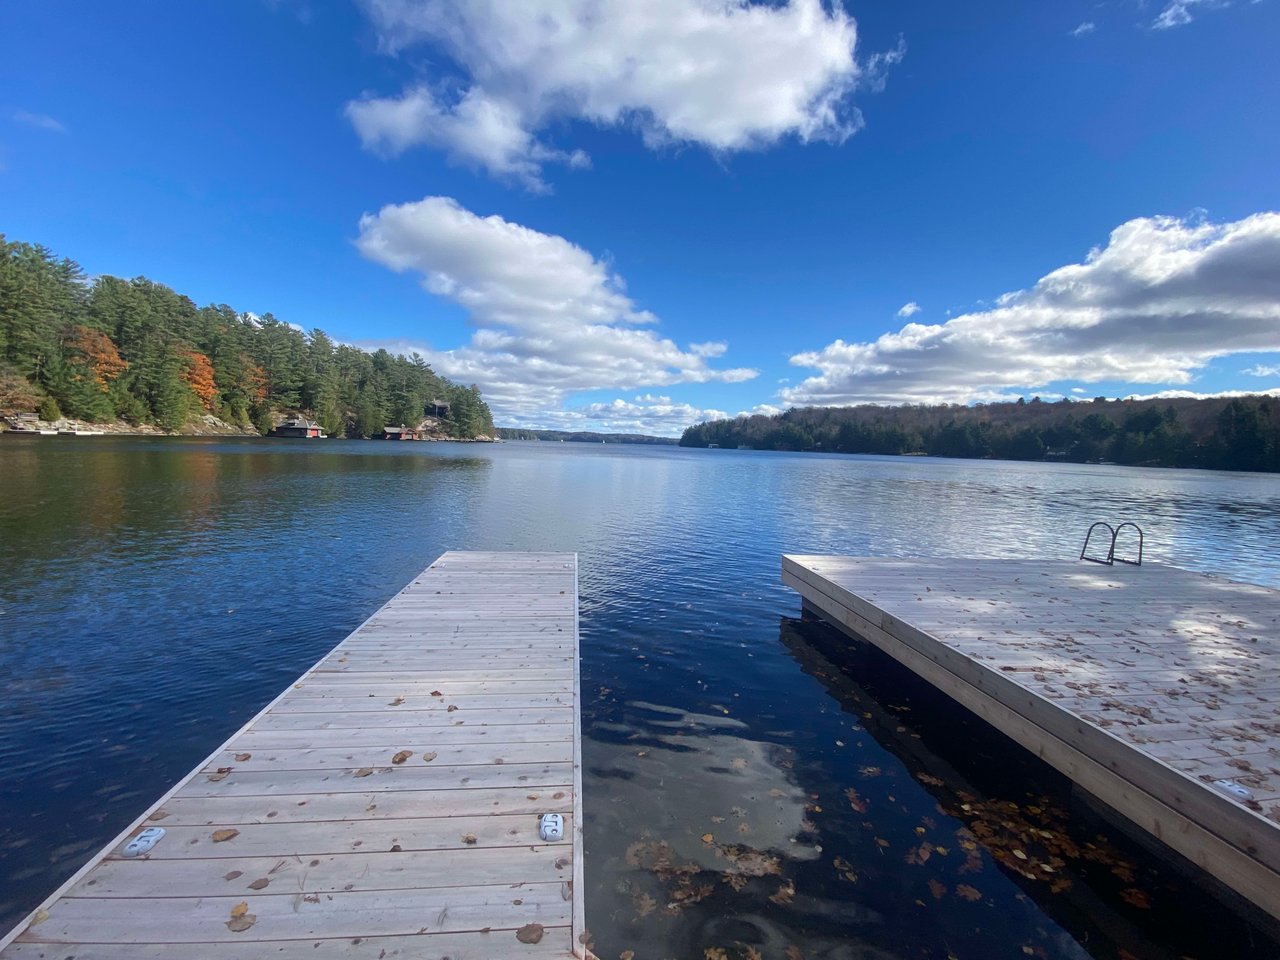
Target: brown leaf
939, 890
402, 756
793, 953
714, 953
530, 933
233, 874
1136, 897
470, 840
644, 903
220, 774
967, 892
158, 815
856, 801
241, 923
708, 838
230, 833
259, 884
396, 702
627, 954
240, 909
451, 708
436, 693
363, 772
785, 894
242, 757
431, 755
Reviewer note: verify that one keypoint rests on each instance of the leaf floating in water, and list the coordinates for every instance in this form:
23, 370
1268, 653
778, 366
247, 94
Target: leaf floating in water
930, 780
966, 892
363, 772
530, 933
856, 801
708, 838
715, 953
402, 756
242, 757
644, 903
219, 774
738, 763
775, 792
469, 839
625, 954
221, 836
1136, 897
259, 884
793, 953
431, 755
939, 890
785, 894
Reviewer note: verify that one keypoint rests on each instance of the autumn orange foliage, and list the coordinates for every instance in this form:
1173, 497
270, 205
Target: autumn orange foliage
199, 376
256, 378
98, 353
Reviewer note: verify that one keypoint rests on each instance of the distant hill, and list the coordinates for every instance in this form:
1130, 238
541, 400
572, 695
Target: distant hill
136, 352
581, 436
1217, 433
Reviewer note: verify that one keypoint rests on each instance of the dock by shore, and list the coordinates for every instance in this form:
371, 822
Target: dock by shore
386, 804
1155, 689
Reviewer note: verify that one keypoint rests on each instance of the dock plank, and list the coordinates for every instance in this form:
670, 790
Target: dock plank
336, 848
1142, 684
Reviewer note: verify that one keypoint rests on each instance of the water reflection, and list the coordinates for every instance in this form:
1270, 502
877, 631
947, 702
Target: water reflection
155, 593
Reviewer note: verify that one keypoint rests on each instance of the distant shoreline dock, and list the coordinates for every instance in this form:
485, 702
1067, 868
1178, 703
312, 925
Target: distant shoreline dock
1152, 688
389, 803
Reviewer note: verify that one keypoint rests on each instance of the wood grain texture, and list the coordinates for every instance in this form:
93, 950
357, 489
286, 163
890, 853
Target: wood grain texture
388, 800
1142, 684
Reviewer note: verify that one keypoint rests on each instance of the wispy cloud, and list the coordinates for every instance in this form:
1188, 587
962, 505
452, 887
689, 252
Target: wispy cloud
550, 318
728, 75
1258, 370
1158, 302
909, 309
1179, 13
1084, 29
40, 121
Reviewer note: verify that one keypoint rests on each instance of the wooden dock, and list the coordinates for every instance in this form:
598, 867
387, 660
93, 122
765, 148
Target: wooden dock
385, 805
1143, 685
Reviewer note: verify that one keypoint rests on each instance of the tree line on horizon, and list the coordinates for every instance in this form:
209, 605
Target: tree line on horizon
135, 350
1217, 433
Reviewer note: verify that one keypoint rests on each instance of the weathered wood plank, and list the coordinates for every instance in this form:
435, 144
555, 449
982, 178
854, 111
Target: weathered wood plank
305, 816
1110, 711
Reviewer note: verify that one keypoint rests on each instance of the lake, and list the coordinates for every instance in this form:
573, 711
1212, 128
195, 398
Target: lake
156, 593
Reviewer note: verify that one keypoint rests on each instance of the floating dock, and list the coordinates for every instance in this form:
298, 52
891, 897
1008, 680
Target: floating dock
1155, 689
386, 805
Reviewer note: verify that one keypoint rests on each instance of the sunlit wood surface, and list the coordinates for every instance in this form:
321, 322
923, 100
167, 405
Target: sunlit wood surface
385, 805
1143, 684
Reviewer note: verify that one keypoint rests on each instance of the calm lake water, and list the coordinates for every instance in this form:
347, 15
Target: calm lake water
155, 594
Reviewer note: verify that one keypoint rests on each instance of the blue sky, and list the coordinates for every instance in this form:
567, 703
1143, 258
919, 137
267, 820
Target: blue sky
633, 216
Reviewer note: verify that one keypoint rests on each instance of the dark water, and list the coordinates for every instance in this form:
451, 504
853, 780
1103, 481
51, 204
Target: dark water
154, 594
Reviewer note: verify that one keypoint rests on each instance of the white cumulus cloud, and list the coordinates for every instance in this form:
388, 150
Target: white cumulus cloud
1158, 302
1259, 370
725, 74
550, 318
909, 309
655, 416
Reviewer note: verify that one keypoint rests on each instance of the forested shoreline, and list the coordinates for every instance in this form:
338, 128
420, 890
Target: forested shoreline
1236, 433
107, 349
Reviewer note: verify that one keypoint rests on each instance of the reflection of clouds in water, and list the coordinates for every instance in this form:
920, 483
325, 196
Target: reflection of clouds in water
693, 830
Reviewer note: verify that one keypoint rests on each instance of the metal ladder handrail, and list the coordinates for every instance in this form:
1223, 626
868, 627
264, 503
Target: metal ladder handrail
1111, 557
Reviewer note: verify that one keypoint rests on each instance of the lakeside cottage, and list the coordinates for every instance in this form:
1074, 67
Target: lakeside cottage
399, 433
299, 427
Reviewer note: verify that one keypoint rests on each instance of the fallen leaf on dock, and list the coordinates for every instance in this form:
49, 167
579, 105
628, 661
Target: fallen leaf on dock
402, 756
241, 919
230, 833
364, 772
469, 839
530, 933
220, 774
158, 815
259, 884
233, 874
436, 693
451, 708
242, 757
396, 702
431, 755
